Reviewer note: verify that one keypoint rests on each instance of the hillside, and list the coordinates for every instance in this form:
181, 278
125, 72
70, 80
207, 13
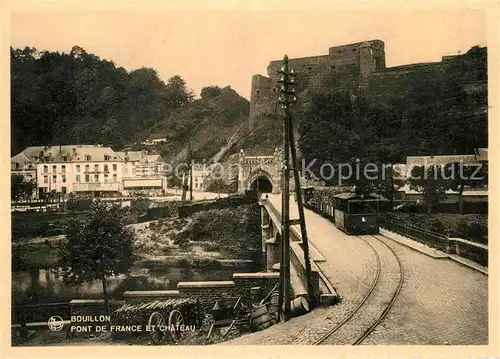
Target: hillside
209, 123
80, 98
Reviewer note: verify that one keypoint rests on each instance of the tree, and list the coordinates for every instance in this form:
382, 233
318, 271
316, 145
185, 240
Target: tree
389, 183
97, 246
210, 91
466, 175
177, 92
432, 182
16, 187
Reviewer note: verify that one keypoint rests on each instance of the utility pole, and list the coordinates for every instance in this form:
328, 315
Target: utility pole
285, 195
287, 90
188, 177
190, 169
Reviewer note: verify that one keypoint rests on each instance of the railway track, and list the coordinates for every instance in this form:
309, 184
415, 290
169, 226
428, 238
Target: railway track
362, 321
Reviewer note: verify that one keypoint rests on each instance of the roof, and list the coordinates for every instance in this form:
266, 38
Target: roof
135, 156
74, 153
480, 156
350, 195
481, 192
365, 44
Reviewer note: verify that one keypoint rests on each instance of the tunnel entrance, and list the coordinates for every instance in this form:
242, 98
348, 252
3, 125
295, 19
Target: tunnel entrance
262, 184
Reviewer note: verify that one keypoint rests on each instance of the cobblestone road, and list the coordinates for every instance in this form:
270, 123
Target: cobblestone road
442, 302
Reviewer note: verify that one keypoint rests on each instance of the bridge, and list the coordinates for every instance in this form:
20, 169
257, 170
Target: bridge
392, 290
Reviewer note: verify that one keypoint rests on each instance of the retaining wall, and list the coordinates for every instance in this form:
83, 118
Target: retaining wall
298, 262
207, 292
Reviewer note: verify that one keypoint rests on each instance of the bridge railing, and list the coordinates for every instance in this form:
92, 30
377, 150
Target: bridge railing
420, 235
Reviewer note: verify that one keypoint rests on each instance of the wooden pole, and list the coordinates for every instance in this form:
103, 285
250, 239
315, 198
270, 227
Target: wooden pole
285, 225
300, 205
190, 172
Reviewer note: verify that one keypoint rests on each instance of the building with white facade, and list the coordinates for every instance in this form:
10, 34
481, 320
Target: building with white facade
201, 176
74, 168
143, 173
469, 194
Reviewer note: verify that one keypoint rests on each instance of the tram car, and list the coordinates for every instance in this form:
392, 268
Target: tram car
357, 213
307, 193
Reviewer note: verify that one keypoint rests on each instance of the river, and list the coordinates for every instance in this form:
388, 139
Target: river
42, 286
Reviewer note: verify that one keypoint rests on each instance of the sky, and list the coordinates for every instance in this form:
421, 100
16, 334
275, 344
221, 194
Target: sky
227, 46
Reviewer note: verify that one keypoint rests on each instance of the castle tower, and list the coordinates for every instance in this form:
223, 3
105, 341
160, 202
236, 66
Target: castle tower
366, 59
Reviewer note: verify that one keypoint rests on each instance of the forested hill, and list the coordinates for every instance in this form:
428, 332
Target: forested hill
209, 123
81, 98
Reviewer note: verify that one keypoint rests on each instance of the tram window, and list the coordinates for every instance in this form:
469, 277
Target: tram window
362, 207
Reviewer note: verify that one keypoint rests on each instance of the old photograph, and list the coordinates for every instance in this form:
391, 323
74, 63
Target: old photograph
184, 177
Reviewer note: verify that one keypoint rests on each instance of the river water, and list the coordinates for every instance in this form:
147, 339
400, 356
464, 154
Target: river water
42, 286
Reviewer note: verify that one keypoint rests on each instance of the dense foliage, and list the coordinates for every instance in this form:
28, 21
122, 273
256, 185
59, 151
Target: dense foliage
20, 188
98, 245
442, 111
80, 98
473, 227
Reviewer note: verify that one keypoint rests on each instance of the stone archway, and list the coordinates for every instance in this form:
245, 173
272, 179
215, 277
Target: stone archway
259, 172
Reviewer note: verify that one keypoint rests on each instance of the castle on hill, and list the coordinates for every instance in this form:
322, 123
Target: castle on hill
359, 65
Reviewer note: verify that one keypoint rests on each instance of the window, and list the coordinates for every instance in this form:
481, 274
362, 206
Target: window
54, 168
45, 179
354, 50
87, 178
114, 167
87, 168
63, 190
105, 177
65, 158
45, 169
126, 170
196, 185
63, 178
54, 179
96, 168
78, 178
106, 157
106, 168
114, 177
87, 157
78, 168
96, 178
63, 168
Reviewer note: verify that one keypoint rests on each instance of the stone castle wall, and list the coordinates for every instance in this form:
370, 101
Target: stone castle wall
353, 66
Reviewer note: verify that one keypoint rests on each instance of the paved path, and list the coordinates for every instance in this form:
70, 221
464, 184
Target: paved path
441, 302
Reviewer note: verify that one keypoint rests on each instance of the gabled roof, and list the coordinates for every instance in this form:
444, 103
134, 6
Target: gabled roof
74, 153
365, 44
135, 156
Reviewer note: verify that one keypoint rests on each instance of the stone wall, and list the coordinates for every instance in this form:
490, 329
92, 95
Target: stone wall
298, 262
470, 250
347, 67
208, 292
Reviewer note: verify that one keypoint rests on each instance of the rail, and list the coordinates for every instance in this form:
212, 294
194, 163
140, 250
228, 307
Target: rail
420, 235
